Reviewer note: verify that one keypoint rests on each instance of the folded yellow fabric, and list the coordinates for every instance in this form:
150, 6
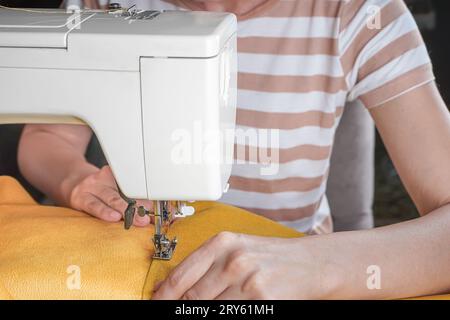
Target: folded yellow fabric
45, 252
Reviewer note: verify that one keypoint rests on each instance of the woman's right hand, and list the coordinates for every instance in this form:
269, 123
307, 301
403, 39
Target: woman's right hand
51, 158
97, 195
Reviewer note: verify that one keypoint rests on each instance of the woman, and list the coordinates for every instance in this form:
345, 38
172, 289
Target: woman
300, 62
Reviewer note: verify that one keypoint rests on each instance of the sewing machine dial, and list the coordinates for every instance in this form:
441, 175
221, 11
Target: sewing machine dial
141, 15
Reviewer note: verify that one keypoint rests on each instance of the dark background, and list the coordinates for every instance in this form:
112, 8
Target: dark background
31, 4
392, 204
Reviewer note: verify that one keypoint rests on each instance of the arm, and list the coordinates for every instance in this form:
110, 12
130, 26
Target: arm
413, 256
51, 157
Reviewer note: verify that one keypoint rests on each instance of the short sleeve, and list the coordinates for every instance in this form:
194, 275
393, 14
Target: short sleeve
382, 52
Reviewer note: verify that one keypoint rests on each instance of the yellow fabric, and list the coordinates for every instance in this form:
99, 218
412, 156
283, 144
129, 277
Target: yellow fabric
39, 244
440, 297
4, 294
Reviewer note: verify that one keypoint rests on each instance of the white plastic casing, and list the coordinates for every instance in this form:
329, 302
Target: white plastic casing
139, 85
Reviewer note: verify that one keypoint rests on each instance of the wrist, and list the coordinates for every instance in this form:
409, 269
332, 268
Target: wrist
328, 276
332, 278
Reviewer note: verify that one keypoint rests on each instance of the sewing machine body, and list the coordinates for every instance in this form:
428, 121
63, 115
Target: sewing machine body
140, 84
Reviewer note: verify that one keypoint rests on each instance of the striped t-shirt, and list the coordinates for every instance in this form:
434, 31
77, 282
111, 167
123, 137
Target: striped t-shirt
299, 63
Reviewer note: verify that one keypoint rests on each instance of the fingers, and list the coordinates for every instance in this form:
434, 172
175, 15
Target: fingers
112, 198
230, 294
141, 221
145, 220
108, 206
110, 195
106, 177
98, 195
97, 208
189, 272
211, 285
226, 273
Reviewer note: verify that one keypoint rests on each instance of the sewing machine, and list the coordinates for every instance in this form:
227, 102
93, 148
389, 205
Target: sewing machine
152, 85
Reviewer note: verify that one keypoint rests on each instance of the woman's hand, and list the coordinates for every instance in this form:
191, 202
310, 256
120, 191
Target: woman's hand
97, 195
51, 157
334, 266
237, 266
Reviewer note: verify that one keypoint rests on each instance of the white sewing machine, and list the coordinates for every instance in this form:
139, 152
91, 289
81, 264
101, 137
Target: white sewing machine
146, 82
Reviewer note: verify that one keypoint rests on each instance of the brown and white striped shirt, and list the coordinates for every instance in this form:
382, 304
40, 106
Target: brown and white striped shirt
300, 62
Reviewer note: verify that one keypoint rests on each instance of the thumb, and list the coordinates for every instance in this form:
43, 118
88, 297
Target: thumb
107, 177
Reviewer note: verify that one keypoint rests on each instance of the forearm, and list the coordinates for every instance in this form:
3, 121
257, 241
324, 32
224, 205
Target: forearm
413, 258
52, 164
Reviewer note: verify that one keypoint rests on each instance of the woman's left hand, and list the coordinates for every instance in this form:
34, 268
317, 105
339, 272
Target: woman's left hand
237, 266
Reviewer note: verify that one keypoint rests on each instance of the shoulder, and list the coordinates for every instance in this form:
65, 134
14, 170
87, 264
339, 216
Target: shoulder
350, 9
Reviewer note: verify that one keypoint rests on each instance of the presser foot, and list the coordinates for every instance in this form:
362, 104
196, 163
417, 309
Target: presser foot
164, 247
163, 213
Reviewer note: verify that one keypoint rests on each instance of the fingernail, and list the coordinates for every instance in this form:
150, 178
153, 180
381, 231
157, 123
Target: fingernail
115, 215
